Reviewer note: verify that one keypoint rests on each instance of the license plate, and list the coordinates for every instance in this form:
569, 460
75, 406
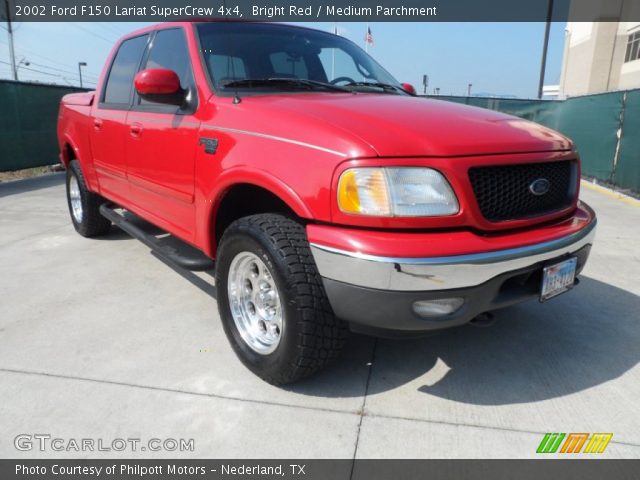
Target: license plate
558, 278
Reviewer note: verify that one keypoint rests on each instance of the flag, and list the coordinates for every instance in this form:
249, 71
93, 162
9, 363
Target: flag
368, 39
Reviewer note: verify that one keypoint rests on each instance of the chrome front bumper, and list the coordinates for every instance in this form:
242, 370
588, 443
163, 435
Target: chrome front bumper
439, 273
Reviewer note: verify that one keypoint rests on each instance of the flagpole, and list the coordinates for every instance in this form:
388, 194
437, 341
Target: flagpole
333, 53
366, 39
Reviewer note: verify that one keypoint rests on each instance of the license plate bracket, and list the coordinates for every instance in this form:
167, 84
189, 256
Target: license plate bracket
558, 278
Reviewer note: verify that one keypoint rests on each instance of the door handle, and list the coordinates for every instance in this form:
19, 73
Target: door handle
97, 123
135, 129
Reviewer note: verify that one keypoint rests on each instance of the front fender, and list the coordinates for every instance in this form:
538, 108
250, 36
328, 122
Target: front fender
259, 178
249, 176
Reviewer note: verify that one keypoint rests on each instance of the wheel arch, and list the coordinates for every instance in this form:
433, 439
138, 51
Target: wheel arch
69, 151
266, 194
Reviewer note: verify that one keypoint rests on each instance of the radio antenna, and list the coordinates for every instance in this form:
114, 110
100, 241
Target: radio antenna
230, 58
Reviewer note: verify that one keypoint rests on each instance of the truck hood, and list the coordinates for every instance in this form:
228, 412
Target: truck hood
395, 125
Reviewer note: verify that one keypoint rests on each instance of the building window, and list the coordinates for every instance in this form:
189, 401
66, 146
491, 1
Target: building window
633, 47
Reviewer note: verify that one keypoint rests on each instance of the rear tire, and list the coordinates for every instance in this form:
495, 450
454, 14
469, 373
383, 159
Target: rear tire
84, 206
293, 333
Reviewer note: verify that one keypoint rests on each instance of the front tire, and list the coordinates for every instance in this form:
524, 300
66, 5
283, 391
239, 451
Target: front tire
271, 300
84, 206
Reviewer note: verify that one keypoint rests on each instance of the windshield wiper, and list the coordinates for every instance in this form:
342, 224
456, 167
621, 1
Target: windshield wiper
387, 87
259, 82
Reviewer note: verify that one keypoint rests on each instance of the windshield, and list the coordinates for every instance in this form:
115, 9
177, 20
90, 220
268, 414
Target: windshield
277, 57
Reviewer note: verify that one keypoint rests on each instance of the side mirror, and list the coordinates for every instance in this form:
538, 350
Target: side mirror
159, 85
410, 89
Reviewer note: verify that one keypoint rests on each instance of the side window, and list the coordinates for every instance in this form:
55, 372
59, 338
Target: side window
123, 69
289, 65
226, 68
169, 50
633, 47
338, 63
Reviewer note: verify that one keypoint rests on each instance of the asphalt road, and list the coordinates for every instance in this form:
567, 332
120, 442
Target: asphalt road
101, 340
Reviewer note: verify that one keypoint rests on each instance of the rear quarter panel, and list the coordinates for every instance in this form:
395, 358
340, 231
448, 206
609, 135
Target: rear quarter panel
74, 123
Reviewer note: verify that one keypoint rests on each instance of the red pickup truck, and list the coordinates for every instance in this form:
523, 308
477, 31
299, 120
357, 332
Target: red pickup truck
329, 195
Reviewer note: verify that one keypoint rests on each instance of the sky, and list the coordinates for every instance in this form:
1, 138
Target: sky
496, 58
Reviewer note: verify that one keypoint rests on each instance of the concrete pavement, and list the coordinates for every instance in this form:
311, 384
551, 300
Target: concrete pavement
99, 339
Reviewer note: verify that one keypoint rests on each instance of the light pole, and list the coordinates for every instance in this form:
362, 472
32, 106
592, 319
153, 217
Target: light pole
80, 65
23, 61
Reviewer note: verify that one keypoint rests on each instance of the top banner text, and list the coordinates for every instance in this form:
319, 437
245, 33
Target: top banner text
320, 10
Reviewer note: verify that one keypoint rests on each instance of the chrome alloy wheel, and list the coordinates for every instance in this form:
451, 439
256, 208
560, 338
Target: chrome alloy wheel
75, 198
255, 303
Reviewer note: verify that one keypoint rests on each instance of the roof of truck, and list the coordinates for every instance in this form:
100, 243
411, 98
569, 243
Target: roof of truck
179, 23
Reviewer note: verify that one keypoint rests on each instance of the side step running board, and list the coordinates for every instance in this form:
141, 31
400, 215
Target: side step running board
178, 252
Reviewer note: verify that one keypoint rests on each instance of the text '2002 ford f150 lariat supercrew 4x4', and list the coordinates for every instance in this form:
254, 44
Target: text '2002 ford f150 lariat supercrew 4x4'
329, 195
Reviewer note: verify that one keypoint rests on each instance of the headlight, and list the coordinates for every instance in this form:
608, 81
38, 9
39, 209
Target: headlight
400, 192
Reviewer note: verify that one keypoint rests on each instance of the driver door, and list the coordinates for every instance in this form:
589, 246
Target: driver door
162, 143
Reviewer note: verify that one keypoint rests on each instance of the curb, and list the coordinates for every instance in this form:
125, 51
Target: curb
610, 193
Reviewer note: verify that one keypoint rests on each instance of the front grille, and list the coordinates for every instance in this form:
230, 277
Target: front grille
503, 192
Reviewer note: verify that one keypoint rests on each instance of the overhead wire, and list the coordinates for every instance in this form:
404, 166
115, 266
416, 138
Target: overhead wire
90, 32
41, 72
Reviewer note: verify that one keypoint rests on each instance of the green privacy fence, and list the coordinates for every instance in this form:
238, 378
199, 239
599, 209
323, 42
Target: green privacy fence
594, 122
540, 111
28, 114
627, 171
605, 127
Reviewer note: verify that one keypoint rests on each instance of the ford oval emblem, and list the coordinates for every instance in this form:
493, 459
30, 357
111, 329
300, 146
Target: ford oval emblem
540, 186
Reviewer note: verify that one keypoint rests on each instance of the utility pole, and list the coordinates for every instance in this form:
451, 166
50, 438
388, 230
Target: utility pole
12, 53
545, 46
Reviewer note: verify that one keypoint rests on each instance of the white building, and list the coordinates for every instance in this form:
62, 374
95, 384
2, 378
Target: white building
600, 56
